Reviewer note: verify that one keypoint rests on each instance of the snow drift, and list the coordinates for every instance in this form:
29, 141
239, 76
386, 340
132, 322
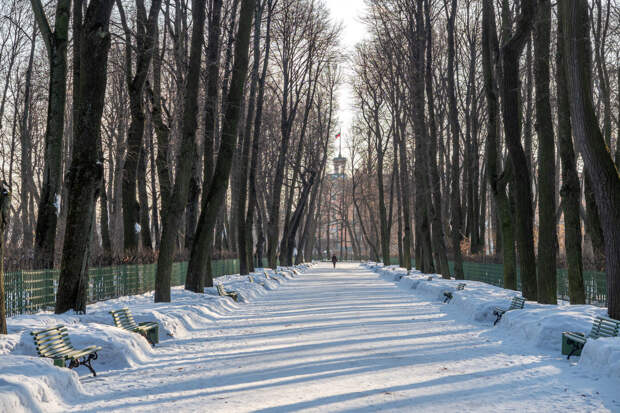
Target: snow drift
31, 383
538, 324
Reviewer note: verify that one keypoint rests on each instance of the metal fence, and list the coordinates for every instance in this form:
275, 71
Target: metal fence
595, 281
32, 291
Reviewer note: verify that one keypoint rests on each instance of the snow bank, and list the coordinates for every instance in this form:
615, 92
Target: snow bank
31, 383
538, 324
34, 384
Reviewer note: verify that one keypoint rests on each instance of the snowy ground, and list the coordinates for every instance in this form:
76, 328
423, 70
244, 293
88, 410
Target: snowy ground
344, 340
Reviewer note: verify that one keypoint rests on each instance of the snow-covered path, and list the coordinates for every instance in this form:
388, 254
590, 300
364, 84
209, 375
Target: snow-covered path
346, 340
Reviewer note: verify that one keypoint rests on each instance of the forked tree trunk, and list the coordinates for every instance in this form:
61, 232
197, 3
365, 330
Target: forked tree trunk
570, 191
86, 171
597, 158
497, 182
219, 184
510, 55
171, 217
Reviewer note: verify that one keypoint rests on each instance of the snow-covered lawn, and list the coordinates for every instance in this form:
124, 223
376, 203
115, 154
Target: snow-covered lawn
344, 340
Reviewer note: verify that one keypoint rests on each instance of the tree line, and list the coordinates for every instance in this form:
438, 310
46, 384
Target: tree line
486, 128
164, 129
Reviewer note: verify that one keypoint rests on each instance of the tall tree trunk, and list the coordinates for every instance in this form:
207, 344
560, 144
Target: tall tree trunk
455, 131
258, 118
596, 155
219, 184
178, 199
511, 105
547, 234
27, 182
145, 40
497, 182
49, 204
86, 171
570, 191
145, 221
5, 209
199, 259
439, 245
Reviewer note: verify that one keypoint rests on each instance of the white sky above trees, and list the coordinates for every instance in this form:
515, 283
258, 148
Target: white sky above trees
349, 13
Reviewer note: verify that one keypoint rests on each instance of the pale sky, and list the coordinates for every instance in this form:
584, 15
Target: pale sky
349, 13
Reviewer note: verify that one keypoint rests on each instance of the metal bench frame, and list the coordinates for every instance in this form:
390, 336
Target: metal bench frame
54, 343
448, 294
124, 319
517, 303
222, 292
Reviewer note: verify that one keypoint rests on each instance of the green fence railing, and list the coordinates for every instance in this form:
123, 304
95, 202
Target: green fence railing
595, 281
31, 291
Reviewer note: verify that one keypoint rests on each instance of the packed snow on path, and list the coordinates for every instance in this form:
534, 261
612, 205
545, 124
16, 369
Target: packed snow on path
343, 340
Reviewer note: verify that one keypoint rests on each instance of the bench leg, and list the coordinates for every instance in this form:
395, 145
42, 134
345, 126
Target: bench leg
499, 317
574, 350
85, 362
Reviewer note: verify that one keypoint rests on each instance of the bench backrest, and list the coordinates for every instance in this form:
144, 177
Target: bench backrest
250, 279
124, 319
517, 303
604, 327
52, 341
266, 275
460, 286
220, 289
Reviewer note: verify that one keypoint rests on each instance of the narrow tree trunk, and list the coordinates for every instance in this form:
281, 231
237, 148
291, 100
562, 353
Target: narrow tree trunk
5, 209
455, 131
570, 191
439, 245
49, 204
547, 234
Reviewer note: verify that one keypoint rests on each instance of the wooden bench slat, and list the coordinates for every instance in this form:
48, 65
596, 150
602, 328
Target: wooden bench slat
54, 343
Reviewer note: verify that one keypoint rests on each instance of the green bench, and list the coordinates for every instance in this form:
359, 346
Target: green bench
124, 319
54, 343
222, 292
573, 342
448, 294
517, 303
251, 279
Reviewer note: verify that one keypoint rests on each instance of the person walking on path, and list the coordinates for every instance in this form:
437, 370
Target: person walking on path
334, 260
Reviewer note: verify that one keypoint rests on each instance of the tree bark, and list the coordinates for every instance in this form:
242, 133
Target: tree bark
547, 234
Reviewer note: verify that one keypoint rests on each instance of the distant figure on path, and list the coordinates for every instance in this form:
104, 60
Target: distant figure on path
334, 260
